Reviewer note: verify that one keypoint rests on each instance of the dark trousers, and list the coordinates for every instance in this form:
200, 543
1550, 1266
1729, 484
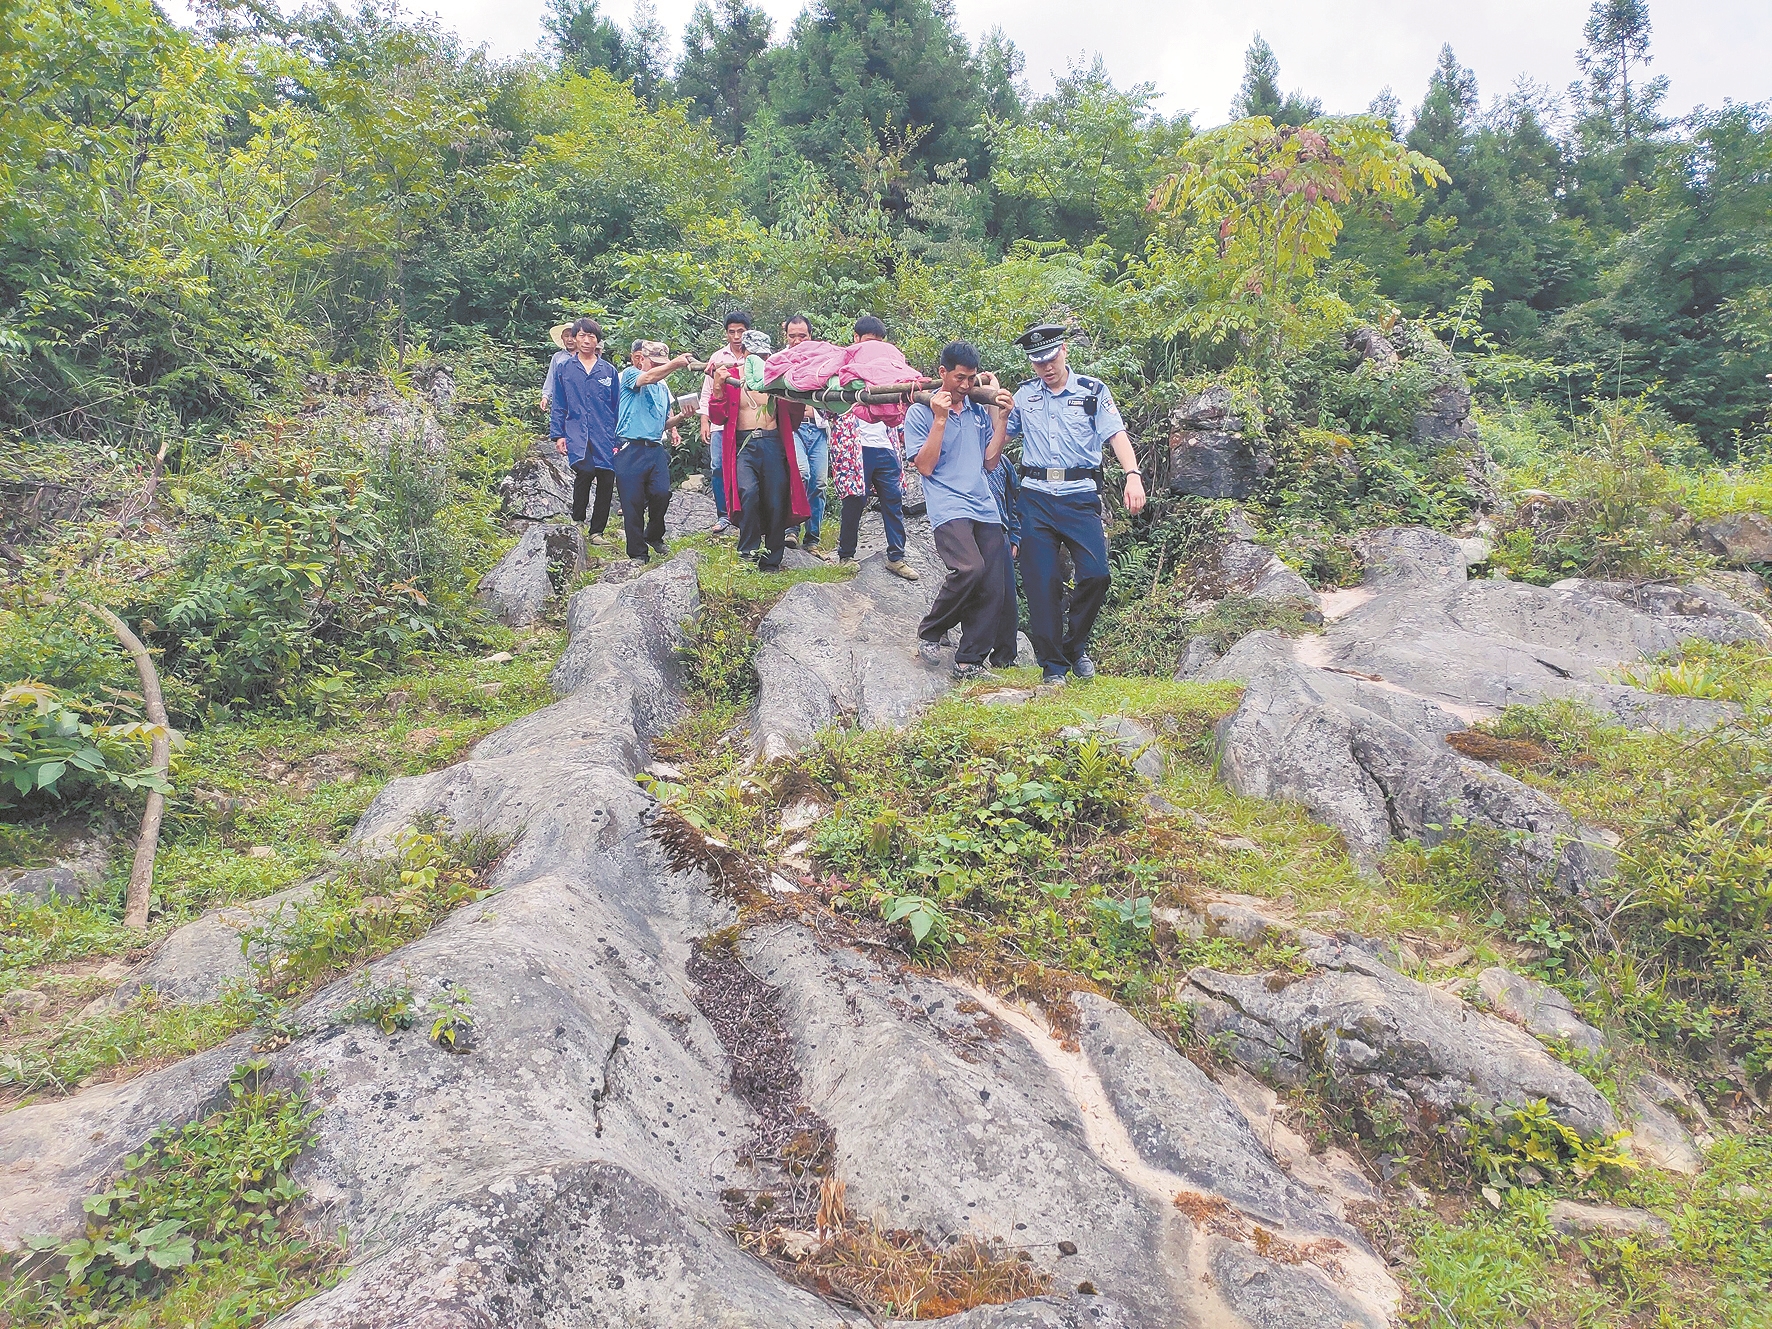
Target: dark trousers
1051, 523
765, 502
973, 593
643, 474
1003, 648
581, 493
880, 476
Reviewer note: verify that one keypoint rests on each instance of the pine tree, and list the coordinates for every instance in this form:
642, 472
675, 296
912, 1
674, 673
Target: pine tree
879, 81
1617, 35
722, 73
1260, 93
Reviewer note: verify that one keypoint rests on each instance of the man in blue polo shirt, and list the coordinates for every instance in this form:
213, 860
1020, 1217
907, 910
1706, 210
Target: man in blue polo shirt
1063, 421
952, 442
581, 421
642, 470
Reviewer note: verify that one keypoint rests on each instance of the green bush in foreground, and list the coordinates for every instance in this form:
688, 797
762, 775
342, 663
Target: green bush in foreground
198, 1216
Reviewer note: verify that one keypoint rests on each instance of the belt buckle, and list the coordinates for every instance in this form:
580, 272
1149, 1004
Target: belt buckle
1055, 474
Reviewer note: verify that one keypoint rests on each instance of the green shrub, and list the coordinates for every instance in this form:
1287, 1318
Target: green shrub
1606, 505
368, 910
48, 746
198, 1199
306, 559
1147, 636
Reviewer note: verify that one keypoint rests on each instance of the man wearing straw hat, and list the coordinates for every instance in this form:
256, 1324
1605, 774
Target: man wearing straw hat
581, 421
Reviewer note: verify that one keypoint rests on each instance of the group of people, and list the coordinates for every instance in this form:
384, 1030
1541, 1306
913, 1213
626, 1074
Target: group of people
772, 460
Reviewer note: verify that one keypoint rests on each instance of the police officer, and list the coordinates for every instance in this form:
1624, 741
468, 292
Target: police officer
1062, 420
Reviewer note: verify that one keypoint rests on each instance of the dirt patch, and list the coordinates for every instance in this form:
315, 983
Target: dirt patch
1476, 744
791, 1150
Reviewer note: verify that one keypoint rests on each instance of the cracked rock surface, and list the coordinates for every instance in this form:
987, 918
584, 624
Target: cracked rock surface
1352, 723
568, 1171
1357, 1020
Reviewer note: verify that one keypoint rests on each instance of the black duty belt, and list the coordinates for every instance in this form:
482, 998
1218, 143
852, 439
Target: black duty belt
1053, 474
639, 443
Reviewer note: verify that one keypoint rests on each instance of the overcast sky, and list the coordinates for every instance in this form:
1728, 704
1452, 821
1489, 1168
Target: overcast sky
1192, 50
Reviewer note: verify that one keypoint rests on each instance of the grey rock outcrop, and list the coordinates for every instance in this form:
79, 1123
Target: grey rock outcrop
516, 588
58, 882
538, 488
198, 960
1572, 1218
1134, 741
1369, 762
81, 869
1247, 568
1352, 723
1209, 455
570, 1169
1401, 555
1737, 537
1365, 1025
831, 650
373, 411
1122, 1148
1668, 1124
1539, 1008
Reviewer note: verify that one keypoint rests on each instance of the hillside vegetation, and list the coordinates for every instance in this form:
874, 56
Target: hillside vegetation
273, 301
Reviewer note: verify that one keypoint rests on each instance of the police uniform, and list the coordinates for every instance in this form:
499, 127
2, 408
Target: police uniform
1062, 434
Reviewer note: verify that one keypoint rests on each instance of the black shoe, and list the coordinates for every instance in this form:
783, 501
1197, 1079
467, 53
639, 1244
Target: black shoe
1052, 678
929, 652
790, 541
966, 672
659, 549
1084, 669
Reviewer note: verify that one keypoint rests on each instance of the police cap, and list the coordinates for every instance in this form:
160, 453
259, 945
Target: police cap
1042, 341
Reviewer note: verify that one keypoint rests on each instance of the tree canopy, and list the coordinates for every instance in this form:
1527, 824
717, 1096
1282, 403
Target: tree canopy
191, 219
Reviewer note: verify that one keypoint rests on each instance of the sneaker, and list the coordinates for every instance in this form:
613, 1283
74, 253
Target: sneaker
639, 562
903, 569
790, 540
929, 652
598, 539
966, 672
660, 550
1084, 669
1053, 679
846, 559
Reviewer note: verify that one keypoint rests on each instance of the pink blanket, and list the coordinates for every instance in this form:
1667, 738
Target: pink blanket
805, 367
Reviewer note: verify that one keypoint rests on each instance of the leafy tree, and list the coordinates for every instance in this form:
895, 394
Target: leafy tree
863, 76
722, 72
1675, 312
1083, 160
1258, 207
587, 39
1259, 94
